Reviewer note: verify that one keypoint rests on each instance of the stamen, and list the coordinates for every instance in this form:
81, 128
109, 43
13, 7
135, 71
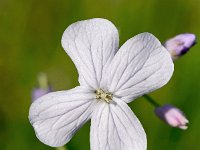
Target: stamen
101, 95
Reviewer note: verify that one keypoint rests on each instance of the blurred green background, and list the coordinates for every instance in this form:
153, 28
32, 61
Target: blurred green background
30, 42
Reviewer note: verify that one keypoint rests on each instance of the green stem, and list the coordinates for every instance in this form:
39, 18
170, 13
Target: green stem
43, 81
151, 100
61, 148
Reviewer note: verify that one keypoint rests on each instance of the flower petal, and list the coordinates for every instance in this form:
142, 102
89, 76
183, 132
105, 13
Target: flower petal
115, 127
91, 44
58, 115
140, 66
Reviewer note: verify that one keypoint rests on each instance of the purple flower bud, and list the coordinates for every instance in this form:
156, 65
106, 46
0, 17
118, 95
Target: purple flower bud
43, 88
38, 92
172, 116
180, 44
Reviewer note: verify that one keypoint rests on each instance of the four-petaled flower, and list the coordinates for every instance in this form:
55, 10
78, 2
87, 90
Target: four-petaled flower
109, 79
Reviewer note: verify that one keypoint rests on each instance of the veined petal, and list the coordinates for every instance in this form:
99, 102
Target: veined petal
91, 44
115, 127
58, 115
140, 66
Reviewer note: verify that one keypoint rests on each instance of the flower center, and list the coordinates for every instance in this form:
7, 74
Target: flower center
101, 95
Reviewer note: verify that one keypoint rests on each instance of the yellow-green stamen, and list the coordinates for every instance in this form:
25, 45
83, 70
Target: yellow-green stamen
101, 95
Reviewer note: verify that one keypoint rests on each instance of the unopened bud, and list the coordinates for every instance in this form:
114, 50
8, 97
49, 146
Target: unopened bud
43, 87
172, 116
180, 44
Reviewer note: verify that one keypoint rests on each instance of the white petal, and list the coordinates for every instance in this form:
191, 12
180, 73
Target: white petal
140, 66
58, 115
115, 127
91, 44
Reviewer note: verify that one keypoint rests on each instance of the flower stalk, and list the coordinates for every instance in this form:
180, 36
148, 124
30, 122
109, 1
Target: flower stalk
151, 100
43, 81
61, 148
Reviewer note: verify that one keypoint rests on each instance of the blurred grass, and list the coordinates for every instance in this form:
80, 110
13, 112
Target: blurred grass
30, 33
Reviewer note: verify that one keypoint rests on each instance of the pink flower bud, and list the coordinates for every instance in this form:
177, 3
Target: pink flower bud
180, 44
172, 116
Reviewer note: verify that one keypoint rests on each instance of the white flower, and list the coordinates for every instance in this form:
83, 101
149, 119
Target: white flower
108, 80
